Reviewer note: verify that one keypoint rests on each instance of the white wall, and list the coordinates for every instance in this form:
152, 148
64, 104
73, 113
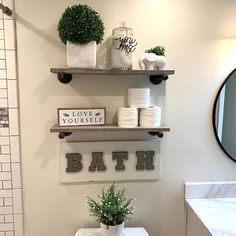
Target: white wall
200, 39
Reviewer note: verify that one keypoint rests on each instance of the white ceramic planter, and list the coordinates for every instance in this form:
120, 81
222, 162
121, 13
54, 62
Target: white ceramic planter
81, 56
116, 230
151, 61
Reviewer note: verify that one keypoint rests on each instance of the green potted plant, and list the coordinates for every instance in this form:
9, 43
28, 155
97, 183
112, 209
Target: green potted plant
112, 210
81, 29
153, 59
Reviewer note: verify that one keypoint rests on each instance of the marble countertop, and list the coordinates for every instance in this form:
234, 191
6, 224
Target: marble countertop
218, 214
138, 231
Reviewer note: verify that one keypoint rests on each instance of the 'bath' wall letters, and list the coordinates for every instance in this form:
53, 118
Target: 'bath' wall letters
144, 161
82, 162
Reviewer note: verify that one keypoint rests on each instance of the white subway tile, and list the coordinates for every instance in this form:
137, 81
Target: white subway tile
4, 132
6, 184
16, 175
9, 218
5, 193
5, 149
12, 93
3, 74
0, 185
8, 3
9, 34
17, 201
3, 102
11, 64
6, 17
4, 141
2, 64
6, 227
1, 24
7, 201
1, 202
3, 83
2, 54
1, 34
15, 148
5, 158
1, 218
2, 44
6, 210
5, 175
13, 121
3, 93
18, 222
6, 167
10, 233
2, 234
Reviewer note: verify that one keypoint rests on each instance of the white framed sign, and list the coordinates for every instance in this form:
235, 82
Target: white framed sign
81, 116
109, 161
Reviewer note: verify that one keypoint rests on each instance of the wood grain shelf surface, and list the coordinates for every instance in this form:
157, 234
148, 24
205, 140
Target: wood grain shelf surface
110, 71
106, 128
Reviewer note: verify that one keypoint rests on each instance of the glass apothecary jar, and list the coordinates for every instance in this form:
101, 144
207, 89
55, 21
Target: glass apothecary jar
122, 46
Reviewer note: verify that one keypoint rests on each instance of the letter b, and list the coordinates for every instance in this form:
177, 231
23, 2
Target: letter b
73, 162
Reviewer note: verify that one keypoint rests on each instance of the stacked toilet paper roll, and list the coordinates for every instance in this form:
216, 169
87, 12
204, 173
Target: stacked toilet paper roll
128, 117
150, 117
139, 97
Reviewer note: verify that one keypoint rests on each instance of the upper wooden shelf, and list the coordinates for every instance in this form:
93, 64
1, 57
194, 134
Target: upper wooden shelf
65, 131
65, 74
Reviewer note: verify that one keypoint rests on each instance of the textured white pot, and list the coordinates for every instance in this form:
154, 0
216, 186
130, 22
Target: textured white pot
81, 56
116, 230
151, 61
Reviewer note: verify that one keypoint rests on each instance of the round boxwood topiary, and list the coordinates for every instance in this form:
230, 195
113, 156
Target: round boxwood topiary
80, 24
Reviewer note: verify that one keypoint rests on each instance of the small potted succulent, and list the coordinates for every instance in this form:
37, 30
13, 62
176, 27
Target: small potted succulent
81, 29
112, 210
153, 59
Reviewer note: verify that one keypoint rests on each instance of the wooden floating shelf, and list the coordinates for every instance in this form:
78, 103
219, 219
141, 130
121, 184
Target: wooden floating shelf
156, 76
66, 131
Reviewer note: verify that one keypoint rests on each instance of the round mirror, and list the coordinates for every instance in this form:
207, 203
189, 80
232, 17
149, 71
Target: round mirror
224, 116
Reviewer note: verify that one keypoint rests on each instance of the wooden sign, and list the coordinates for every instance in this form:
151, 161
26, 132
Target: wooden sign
109, 161
81, 116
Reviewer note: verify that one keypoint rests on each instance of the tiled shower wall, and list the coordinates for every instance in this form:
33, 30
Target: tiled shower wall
11, 211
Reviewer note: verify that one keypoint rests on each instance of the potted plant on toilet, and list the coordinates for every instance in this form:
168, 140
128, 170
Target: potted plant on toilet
153, 59
112, 210
81, 29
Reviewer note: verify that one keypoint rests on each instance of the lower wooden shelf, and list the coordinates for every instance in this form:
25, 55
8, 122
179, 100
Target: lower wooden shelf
66, 131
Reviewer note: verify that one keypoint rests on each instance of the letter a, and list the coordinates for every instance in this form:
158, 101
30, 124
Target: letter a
97, 162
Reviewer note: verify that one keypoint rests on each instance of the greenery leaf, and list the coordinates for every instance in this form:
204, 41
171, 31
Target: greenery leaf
158, 50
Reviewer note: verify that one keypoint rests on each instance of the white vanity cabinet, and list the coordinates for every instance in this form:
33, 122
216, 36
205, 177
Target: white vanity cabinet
194, 226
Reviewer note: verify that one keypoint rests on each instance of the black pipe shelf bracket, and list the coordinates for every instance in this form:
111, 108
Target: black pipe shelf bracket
157, 79
159, 134
64, 78
62, 135
5, 10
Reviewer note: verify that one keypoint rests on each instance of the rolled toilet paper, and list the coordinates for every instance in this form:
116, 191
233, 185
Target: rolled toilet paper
128, 117
150, 117
139, 97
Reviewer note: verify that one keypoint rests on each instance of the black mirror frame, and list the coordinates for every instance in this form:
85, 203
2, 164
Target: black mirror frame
213, 116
